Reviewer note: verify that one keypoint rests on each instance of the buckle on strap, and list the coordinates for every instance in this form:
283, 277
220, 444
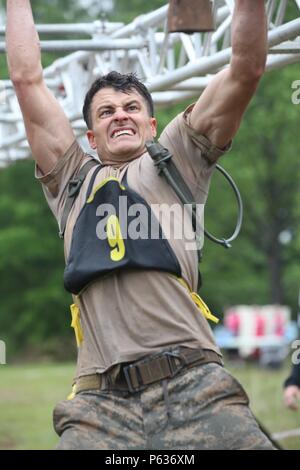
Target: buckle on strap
75, 185
143, 373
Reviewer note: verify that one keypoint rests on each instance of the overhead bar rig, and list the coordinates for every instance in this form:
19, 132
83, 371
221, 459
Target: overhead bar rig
175, 67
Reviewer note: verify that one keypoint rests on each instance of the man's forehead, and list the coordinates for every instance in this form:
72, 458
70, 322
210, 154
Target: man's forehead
110, 96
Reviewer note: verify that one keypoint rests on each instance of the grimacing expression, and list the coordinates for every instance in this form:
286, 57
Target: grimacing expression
120, 124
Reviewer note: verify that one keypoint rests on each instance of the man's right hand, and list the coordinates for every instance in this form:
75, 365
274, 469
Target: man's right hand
291, 395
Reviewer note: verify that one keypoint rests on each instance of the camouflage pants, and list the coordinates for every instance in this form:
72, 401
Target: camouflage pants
201, 408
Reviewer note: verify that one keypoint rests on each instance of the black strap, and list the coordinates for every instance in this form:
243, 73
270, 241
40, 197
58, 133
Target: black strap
92, 181
175, 179
73, 191
163, 160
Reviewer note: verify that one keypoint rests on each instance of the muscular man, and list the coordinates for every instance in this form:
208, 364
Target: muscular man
149, 374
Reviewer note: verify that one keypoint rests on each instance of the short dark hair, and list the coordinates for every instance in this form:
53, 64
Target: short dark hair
119, 82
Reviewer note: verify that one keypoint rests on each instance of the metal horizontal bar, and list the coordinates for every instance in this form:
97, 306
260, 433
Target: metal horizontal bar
8, 118
275, 62
284, 32
102, 27
143, 22
289, 47
193, 84
87, 45
199, 67
16, 138
169, 98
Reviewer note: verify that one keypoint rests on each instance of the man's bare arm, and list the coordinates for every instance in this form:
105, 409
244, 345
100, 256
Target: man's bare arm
219, 110
49, 132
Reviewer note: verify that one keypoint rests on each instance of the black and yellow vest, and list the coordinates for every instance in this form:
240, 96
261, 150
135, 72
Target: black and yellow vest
102, 242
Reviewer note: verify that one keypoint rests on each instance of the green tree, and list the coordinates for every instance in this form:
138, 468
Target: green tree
34, 312
126, 11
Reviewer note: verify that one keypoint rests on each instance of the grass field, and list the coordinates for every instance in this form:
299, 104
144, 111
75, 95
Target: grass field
28, 394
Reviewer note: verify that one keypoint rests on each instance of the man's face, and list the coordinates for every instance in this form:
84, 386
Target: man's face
120, 125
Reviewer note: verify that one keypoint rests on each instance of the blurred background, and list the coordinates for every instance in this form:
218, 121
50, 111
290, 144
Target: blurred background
261, 269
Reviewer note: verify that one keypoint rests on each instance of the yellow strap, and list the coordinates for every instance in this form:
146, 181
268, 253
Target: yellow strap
100, 185
75, 312
73, 393
199, 302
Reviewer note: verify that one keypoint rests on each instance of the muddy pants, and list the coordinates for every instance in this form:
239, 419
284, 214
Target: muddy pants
201, 408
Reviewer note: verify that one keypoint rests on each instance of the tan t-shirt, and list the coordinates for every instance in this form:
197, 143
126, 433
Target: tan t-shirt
130, 314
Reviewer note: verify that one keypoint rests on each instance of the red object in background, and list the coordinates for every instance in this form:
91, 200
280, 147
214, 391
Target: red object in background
260, 325
279, 323
232, 322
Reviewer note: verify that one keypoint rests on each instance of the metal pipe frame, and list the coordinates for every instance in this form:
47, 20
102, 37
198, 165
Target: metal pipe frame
174, 66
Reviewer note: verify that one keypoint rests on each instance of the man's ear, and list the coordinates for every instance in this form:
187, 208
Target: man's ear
153, 124
91, 138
